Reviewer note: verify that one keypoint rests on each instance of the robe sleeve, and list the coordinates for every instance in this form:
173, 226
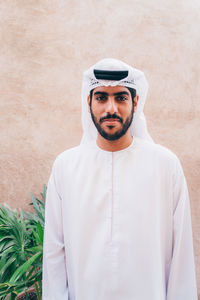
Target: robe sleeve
55, 285
182, 281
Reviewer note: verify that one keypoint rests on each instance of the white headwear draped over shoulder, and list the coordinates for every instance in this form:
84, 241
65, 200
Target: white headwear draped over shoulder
135, 80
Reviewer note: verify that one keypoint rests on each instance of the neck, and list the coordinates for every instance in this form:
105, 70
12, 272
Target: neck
117, 145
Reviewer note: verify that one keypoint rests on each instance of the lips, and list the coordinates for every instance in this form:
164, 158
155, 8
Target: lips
111, 121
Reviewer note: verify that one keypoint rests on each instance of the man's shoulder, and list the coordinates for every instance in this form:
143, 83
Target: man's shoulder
72, 155
69, 154
156, 150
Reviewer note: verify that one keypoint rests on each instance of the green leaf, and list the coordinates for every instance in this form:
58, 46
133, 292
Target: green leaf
35, 204
44, 192
21, 247
23, 269
35, 249
40, 232
7, 264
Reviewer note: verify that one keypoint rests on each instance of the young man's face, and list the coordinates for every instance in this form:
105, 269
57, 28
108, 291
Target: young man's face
112, 111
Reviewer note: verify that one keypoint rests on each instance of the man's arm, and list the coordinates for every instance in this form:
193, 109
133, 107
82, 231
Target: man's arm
182, 281
55, 284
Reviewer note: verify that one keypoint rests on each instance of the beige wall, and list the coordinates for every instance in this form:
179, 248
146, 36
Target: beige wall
45, 46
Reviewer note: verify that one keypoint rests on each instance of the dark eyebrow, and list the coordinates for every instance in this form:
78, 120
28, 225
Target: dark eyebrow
121, 93
115, 94
101, 93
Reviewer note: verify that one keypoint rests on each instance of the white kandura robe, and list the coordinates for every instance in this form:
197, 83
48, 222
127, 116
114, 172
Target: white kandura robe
118, 226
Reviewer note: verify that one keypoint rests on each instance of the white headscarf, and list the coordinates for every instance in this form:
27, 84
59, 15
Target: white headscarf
135, 80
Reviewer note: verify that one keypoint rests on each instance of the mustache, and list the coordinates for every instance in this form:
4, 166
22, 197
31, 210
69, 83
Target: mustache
109, 116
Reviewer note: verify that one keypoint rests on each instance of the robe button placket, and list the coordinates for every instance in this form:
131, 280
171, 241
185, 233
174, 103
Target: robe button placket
111, 193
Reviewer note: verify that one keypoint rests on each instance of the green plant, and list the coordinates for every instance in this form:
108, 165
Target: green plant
21, 248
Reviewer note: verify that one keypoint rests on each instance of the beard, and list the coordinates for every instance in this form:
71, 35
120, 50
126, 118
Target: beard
119, 133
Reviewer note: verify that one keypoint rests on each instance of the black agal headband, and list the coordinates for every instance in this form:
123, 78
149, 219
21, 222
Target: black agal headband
110, 75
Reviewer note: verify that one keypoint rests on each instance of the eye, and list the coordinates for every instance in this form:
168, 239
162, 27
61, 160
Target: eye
121, 98
100, 98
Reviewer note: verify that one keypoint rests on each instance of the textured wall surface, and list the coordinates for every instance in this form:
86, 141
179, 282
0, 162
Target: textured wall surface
45, 46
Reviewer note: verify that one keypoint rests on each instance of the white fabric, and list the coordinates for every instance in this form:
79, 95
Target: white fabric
135, 79
118, 226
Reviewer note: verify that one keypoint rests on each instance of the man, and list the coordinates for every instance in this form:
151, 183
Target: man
118, 223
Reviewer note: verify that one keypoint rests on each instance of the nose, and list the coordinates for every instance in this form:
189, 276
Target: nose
111, 106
